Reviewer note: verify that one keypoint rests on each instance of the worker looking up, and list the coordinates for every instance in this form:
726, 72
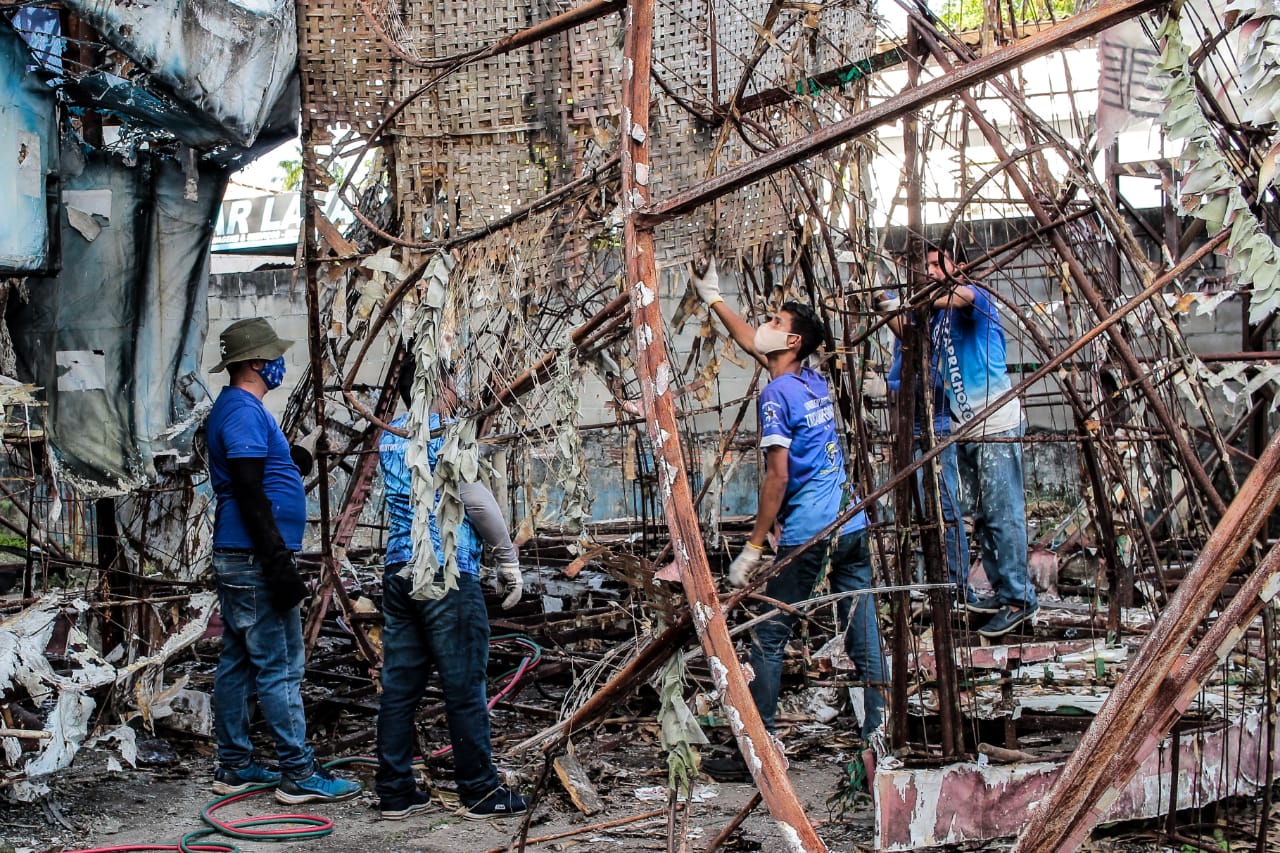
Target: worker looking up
260, 514
803, 490
450, 634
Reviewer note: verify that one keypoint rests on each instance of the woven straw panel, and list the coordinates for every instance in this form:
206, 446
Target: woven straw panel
837, 34
350, 68
461, 183
595, 70
496, 134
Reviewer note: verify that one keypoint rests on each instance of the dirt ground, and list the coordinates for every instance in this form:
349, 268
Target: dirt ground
92, 806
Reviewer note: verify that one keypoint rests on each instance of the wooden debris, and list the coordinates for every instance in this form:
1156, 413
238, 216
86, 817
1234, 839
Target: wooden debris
577, 783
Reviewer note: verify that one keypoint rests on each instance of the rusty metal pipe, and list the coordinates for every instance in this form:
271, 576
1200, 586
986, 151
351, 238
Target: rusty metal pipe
656, 379
1068, 811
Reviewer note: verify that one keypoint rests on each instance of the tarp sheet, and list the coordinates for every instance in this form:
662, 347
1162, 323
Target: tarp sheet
228, 62
115, 337
29, 142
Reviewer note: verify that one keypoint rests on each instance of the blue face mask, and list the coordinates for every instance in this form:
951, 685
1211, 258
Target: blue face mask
272, 373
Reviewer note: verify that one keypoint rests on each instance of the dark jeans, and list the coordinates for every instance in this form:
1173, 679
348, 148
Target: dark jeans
262, 654
850, 569
452, 635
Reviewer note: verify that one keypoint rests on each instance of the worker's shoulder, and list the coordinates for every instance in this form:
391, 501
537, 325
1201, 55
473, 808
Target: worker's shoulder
234, 404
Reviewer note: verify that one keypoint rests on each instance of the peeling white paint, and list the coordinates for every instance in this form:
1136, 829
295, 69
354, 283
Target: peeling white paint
642, 174
668, 474
719, 674
792, 837
644, 293
637, 133
702, 616
644, 337
749, 753
1229, 642
662, 379
1270, 588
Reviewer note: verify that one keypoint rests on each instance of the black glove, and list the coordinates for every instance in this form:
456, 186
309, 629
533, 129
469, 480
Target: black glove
284, 584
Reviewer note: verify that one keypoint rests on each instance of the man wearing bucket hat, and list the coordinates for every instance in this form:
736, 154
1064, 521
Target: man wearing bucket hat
258, 524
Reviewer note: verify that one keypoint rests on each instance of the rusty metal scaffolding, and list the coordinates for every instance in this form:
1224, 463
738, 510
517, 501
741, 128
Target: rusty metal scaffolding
572, 182
534, 181
572, 173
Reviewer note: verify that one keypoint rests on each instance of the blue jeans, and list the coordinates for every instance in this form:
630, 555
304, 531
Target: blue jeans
850, 569
452, 635
955, 542
992, 474
261, 653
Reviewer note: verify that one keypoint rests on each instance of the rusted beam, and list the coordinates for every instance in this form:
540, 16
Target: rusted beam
832, 79
642, 666
539, 369
1078, 27
367, 462
732, 826
330, 578
656, 376
1073, 805
917, 362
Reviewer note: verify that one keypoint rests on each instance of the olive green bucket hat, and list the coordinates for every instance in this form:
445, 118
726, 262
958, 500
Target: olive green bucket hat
248, 339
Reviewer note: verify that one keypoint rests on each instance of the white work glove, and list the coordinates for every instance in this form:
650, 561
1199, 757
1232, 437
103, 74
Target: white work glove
888, 302
511, 582
707, 285
745, 565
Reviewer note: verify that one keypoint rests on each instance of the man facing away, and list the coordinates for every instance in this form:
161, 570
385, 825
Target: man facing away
258, 525
804, 490
450, 634
969, 353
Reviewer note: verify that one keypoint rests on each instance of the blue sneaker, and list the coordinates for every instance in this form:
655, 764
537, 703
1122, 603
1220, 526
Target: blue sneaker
1006, 620
501, 802
986, 604
228, 781
320, 787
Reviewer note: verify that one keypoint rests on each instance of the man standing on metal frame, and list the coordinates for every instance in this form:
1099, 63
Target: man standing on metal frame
970, 353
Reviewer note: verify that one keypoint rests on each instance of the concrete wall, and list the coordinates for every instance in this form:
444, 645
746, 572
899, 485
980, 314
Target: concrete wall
1051, 468
273, 294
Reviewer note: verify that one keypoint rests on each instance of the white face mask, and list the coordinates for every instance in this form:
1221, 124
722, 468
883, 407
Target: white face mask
770, 339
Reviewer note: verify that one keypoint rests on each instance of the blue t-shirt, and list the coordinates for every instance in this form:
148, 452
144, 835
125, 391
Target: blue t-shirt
398, 480
970, 352
796, 413
240, 427
941, 413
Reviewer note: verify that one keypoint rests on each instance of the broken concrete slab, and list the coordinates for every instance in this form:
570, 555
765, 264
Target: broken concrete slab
973, 801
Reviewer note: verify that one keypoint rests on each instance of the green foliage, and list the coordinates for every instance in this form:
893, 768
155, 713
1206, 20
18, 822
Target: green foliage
292, 174
971, 14
851, 792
